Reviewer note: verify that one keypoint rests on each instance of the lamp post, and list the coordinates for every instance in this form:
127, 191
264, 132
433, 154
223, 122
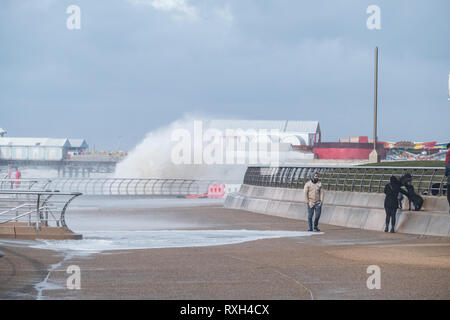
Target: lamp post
449, 86
374, 157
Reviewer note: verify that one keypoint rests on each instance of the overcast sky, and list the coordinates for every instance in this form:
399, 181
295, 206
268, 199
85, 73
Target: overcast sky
136, 65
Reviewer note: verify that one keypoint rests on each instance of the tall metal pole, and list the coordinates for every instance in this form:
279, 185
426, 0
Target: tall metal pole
373, 156
449, 86
375, 100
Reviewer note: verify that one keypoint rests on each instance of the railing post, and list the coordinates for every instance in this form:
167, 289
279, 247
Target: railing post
381, 179
299, 176
419, 190
338, 176
331, 178
430, 186
38, 213
145, 186
441, 187
371, 180
136, 192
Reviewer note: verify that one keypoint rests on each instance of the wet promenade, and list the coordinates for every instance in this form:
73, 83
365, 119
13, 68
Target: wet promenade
196, 249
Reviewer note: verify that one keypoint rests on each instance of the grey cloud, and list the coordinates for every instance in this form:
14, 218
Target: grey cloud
137, 68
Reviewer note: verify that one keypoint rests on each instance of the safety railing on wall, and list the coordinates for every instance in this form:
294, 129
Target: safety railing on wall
113, 186
34, 208
427, 181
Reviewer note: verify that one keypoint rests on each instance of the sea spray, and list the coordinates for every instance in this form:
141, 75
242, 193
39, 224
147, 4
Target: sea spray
209, 149
153, 157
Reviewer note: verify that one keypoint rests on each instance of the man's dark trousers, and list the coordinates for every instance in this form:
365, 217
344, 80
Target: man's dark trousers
390, 216
317, 208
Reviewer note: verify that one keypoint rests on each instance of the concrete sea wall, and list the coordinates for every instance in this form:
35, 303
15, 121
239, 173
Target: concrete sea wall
348, 209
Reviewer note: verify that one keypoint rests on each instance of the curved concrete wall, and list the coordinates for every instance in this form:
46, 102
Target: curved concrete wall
348, 209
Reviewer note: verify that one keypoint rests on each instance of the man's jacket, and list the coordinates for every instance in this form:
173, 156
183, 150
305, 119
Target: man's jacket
313, 193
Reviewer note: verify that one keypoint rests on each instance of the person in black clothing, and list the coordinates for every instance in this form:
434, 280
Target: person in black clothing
413, 197
405, 181
392, 190
447, 174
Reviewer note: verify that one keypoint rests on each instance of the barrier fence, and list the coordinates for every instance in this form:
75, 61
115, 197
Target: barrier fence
34, 208
426, 181
113, 186
24, 184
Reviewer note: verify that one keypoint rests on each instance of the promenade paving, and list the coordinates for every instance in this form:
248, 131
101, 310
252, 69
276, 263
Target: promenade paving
332, 265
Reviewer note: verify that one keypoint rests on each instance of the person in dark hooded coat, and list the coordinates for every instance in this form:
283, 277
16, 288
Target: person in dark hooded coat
413, 197
392, 190
447, 174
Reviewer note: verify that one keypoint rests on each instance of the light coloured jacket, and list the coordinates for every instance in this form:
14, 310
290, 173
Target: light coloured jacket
313, 193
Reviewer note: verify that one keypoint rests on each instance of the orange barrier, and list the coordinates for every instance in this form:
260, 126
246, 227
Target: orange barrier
216, 191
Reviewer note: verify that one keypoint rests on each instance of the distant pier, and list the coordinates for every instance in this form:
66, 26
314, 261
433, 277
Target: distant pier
74, 167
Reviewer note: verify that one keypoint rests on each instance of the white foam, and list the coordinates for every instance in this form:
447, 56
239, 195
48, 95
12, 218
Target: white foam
94, 242
153, 157
46, 284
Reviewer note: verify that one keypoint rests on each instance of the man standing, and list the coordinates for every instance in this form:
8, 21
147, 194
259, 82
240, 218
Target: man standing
314, 199
447, 174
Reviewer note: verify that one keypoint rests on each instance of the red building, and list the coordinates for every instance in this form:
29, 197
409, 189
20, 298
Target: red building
347, 150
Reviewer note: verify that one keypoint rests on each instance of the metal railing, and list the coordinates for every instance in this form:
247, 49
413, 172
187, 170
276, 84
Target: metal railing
24, 184
427, 181
113, 186
34, 208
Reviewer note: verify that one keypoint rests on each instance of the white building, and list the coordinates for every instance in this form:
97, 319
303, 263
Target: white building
78, 145
294, 132
33, 148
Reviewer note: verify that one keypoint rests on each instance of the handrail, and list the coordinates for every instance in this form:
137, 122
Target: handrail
116, 186
15, 208
35, 206
426, 180
36, 192
327, 166
18, 217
